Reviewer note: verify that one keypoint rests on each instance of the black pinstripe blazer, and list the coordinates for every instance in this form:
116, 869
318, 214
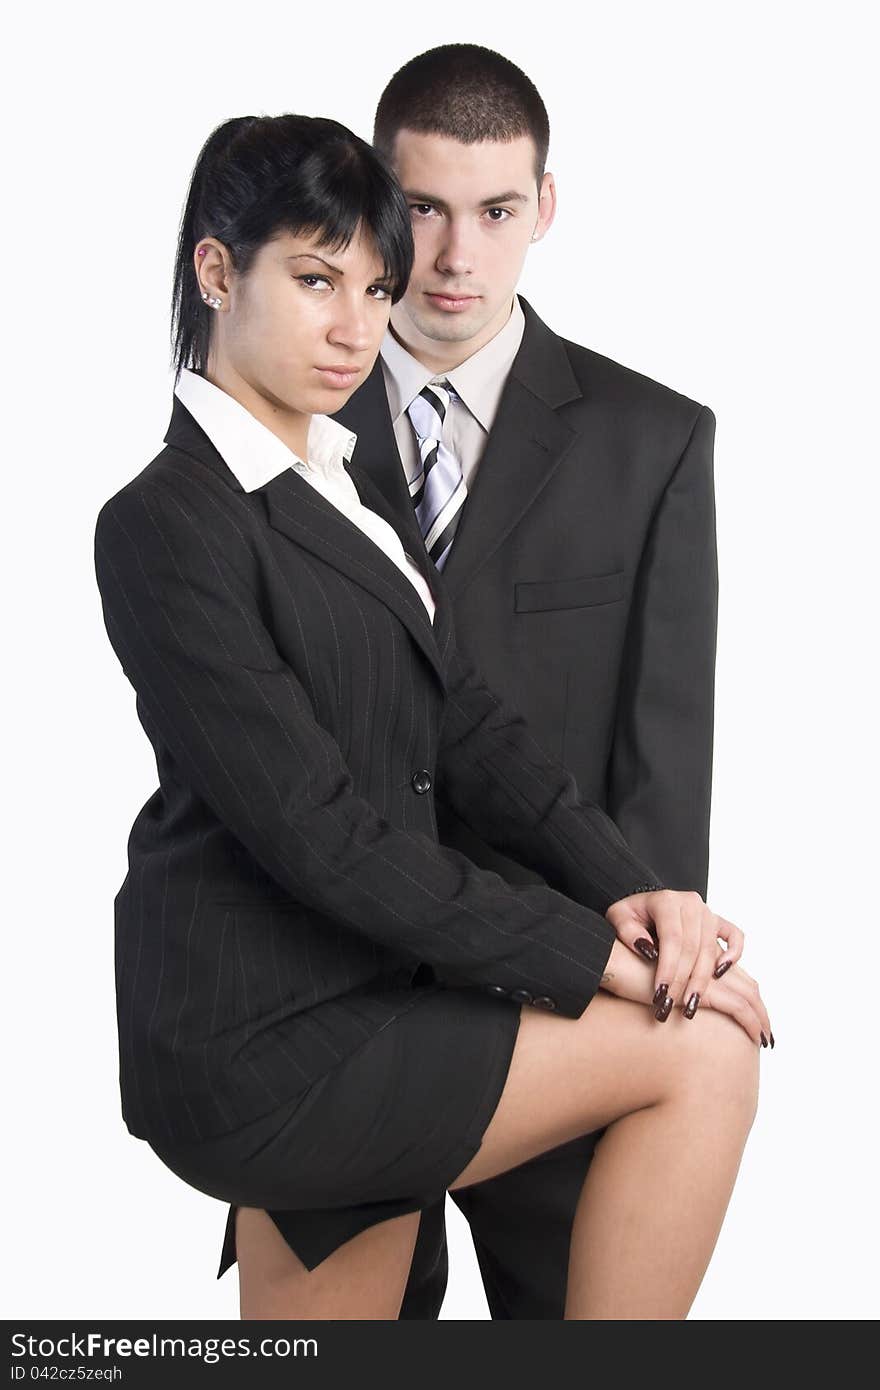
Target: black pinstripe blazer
304, 714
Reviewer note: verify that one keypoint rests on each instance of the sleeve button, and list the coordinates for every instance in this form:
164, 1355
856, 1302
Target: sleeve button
521, 996
498, 990
544, 1001
421, 781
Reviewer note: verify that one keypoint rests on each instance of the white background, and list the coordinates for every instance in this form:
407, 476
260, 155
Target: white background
714, 170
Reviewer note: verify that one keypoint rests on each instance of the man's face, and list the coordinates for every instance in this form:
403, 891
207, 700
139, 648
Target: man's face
475, 209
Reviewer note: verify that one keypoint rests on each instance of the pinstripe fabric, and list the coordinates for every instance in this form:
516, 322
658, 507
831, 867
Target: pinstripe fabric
285, 878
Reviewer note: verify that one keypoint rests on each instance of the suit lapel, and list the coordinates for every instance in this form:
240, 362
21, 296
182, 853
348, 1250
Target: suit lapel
411, 539
305, 516
378, 475
527, 443
377, 455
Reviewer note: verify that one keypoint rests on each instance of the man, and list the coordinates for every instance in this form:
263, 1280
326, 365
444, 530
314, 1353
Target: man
569, 503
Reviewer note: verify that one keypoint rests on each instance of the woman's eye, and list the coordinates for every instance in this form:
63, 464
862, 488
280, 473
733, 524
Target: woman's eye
503, 214
379, 292
312, 282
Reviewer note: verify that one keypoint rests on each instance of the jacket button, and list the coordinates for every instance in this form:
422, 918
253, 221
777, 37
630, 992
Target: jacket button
521, 996
498, 990
544, 1001
421, 780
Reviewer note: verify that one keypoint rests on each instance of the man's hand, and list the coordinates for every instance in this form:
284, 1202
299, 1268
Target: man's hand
682, 934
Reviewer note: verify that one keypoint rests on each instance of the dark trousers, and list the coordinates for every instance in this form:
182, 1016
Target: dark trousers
521, 1224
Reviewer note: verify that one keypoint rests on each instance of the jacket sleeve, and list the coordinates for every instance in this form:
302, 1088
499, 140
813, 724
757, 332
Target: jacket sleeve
660, 767
523, 802
186, 626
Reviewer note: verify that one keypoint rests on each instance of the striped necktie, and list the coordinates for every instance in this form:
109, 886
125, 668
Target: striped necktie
438, 489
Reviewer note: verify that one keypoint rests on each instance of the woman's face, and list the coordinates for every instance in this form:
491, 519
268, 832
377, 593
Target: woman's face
301, 330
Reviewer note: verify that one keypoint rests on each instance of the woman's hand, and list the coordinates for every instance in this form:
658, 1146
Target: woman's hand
735, 994
685, 946
628, 976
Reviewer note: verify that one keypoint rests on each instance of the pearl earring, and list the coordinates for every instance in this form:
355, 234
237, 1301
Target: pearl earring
212, 302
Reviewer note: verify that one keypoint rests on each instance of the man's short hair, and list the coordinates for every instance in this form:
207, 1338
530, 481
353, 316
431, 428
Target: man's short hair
467, 93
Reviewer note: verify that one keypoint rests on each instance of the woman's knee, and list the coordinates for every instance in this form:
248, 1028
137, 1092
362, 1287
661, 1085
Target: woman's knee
717, 1057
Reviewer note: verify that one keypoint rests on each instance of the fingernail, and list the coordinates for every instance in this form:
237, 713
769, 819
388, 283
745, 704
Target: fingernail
764, 1042
660, 995
772, 1043
720, 969
690, 1007
647, 948
665, 1009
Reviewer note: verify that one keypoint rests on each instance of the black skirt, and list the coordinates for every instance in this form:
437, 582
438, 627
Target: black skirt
382, 1134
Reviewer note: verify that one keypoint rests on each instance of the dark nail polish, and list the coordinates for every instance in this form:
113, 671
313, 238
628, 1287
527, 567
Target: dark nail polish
719, 970
665, 1009
647, 948
690, 1007
772, 1042
764, 1042
660, 995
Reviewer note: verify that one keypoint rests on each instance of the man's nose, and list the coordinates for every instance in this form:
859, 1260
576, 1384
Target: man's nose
455, 256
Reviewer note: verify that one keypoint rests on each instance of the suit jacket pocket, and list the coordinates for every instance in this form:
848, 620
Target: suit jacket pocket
583, 592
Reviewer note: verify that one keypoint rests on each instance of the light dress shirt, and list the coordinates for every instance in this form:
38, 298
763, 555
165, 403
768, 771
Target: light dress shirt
255, 455
478, 382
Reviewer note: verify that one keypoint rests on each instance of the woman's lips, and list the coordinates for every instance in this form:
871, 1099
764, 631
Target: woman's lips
339, 377
452, 303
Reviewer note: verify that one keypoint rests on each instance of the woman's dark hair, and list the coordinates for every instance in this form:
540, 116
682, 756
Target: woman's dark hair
467, 93
257, 176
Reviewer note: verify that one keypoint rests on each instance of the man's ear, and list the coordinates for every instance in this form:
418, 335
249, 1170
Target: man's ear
546, 206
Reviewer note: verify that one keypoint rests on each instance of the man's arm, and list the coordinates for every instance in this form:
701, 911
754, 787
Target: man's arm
659, 779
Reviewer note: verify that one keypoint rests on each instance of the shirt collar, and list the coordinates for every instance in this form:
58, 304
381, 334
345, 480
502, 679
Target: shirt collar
249, 448
479, 380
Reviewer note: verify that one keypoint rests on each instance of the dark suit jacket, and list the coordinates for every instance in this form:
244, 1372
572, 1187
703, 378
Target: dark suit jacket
303, 710
584, 582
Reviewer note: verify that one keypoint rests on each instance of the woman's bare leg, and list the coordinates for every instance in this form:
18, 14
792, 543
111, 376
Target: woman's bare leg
679, 1099
365, 1278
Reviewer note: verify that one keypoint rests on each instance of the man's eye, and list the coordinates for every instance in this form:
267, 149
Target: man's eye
423, 209
502, 216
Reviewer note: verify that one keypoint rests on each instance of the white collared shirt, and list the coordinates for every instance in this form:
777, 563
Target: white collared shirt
478, 382
255, 455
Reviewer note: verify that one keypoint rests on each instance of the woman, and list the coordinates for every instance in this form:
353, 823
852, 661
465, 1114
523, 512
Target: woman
321, 1010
